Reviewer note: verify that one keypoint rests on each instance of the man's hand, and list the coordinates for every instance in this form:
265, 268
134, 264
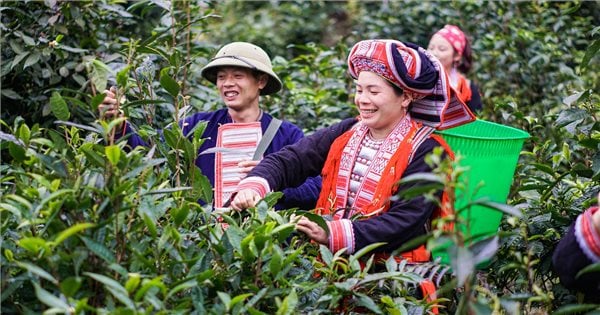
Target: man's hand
109, 108
245, 199
246, 167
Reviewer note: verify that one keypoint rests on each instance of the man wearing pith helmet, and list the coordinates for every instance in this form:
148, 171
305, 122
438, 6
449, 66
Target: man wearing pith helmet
237, 134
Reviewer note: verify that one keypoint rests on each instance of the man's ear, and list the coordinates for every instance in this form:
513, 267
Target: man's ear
263, 79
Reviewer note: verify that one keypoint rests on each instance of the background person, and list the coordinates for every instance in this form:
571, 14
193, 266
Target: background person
452, 48
579, 248
242, 73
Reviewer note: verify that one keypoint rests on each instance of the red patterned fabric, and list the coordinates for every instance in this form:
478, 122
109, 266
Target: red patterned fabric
454, 36
587, 235
258, 184
463, 88
334, 193
429, 294
341, 235
394, 156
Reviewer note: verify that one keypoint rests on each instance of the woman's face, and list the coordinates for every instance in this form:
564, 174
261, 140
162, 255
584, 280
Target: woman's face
380, 106
443, 50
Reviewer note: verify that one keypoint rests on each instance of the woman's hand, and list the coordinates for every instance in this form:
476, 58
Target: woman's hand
311, 229
245, 199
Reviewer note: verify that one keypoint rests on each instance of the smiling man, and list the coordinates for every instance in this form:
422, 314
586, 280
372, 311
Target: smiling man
242, 73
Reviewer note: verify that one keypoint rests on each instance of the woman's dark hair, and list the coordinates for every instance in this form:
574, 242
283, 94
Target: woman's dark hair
466, 62
397, 89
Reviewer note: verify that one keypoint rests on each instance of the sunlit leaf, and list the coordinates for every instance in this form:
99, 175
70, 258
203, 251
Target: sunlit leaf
71, 231
133, 282
288, 306
180, 214
24, 133
367, 249
224, 297
181, 287
113, 154
238, 299
34, 244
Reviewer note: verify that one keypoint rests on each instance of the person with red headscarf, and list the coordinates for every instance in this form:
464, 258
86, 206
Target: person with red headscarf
452, 48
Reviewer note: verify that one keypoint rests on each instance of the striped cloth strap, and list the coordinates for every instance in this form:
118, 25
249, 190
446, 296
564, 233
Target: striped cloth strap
237, 143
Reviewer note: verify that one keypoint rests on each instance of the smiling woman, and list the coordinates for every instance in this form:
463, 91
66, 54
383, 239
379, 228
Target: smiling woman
380, 104
402, 94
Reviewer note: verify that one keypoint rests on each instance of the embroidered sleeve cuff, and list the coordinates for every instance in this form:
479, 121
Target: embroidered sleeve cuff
587, 236
258, 184
341, 235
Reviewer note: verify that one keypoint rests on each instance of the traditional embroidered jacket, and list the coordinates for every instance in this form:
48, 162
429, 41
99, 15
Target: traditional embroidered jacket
400, 221
579, 248
304, 195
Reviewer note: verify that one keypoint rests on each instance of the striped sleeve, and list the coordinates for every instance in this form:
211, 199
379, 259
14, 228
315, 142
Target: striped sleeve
341, 235
258, 184
587, 235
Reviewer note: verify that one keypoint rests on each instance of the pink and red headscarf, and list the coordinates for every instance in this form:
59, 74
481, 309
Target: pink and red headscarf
418, 73
454, 36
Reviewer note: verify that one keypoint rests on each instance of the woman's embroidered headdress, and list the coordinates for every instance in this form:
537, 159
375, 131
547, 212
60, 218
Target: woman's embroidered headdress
418, 73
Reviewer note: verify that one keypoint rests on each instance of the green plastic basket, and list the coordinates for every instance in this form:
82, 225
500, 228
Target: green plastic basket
490, 152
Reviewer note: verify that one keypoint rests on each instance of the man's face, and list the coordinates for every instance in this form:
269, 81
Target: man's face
239, 87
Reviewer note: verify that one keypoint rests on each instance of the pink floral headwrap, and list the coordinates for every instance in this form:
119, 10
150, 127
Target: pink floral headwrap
454, 36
